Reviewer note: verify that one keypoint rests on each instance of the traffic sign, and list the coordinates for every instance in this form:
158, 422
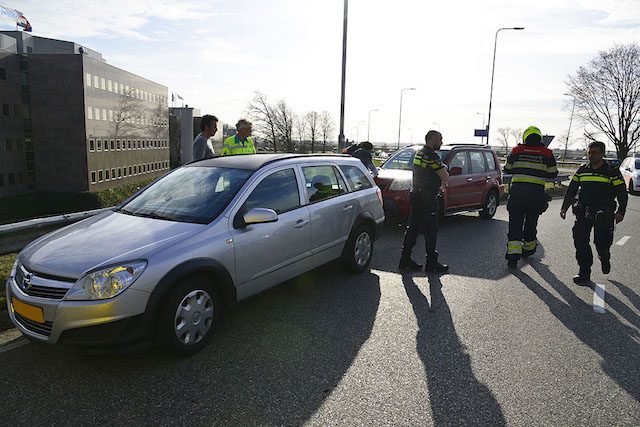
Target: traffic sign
479, 132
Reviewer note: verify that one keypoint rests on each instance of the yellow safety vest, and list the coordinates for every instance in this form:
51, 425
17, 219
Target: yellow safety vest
233, 146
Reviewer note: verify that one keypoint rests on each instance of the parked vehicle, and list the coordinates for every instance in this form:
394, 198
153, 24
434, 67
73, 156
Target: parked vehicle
613, 162
630, 170
162, 264
475, 182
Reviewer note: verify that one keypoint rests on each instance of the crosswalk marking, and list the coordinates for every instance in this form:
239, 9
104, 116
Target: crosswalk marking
623, 240
598, 299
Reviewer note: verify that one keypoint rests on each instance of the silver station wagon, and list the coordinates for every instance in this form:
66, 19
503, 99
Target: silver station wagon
162, 265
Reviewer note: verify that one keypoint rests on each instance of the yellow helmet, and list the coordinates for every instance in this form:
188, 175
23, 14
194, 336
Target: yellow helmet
531, 130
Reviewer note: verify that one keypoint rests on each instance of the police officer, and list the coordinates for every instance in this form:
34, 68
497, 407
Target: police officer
240, 143
530, 164
599, 185
428, 174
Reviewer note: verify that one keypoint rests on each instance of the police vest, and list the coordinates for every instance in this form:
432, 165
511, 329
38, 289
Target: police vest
531, 164
232, 146
597, 186
425, 165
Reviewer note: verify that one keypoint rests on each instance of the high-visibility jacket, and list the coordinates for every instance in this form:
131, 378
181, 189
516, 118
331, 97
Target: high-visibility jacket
233, 145
531, 164
598, 188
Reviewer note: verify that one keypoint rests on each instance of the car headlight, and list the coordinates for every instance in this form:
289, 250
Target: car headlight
400, 185
106, 282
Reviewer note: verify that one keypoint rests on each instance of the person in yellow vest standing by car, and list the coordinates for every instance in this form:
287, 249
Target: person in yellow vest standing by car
240, 143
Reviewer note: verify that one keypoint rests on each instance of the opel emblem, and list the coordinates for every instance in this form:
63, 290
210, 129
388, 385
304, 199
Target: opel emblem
26, 281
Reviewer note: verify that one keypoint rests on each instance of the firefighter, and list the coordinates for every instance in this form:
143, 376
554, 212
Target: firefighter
429, 173
600, 185
530, 164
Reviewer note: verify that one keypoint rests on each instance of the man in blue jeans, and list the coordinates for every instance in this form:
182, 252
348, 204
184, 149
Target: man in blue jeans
428, 174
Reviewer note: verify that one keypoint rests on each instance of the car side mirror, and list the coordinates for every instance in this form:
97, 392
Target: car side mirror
260, 216
455, 171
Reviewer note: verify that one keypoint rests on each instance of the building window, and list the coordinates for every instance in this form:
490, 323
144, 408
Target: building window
8, 144
95, 82
113, 145
115, 87
121, 89
129, 170
106, 145
5, 109
110, 115
103, 83
89, 79
21, 178
119, 173
135, 169
126, 90
3, 73
99, 176
92, 145
124, 171
109, 86
106, 174
118, 144
12, 178
1, 180
99, 144
104, 114
139, 145
137, 94
96, 113
113, 173
129, 144
19, 144
90, 113
93, 177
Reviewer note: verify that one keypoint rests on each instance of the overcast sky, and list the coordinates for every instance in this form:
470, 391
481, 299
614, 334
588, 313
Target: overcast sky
216, 53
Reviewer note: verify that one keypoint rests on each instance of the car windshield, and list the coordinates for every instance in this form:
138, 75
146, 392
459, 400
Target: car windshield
190, 194
637, 163
403, 159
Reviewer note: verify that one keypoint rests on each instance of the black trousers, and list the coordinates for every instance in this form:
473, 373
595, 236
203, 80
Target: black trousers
602, 237
526, 203
422, 219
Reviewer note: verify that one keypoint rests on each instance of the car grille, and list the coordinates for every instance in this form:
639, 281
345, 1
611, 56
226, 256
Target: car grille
35, 327
41, 286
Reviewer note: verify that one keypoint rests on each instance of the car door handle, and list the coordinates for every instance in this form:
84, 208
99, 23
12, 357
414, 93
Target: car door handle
347, 208
469, 179
301, 223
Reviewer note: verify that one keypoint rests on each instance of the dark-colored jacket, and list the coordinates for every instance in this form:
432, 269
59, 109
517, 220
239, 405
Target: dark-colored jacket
531, 164
598, 188
366, 159
425, 165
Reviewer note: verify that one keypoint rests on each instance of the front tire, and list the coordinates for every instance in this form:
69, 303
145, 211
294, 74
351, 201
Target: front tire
189, 316
358, 250
490, 205
631, 186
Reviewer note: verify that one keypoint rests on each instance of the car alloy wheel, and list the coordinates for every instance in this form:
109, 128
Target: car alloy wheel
194, 317
362, 249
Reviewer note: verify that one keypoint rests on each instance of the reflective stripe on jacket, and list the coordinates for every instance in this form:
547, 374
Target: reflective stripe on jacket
531, 164
232, 146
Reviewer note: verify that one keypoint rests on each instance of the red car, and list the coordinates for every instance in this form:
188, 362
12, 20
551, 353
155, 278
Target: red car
475, 180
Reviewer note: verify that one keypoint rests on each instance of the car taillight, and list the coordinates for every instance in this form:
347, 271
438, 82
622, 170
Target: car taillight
379, 193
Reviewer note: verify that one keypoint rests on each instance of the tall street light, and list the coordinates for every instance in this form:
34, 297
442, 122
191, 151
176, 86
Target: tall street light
344, 74
566, 144
358, 131
400, 115
483, 128
495, 44
369, 124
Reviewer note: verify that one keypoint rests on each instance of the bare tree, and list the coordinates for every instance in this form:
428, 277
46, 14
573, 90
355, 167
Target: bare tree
313, 122
264, 119
300, 126
284, 124
327, 128
607, 96
517, 135
127, 119
503, 137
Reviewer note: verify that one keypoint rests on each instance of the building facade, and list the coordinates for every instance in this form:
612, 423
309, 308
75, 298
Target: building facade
85, 125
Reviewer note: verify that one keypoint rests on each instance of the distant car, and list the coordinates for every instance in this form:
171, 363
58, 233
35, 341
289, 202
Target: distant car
630, 170
210, 233
613, 162
475, 181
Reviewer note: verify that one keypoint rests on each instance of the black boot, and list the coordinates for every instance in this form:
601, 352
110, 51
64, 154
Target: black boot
606, 265
582, 278
432, 264
406, 263
512, 263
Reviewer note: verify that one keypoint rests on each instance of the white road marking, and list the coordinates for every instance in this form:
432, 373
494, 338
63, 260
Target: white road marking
598, 299
623, 240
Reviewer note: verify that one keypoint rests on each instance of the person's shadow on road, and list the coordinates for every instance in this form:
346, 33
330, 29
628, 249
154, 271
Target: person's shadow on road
614, 341
456, 396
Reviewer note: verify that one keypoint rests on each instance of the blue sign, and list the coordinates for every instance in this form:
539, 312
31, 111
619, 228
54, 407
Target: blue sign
479, 132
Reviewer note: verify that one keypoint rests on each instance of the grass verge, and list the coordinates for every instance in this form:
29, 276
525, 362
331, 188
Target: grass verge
6, 262
41, 204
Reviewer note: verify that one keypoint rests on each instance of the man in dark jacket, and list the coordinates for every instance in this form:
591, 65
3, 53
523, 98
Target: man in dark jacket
364, 154
599, 185
530, 164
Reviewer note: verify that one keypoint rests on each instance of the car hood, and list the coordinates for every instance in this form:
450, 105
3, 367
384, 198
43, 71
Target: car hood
391, 174
103, 239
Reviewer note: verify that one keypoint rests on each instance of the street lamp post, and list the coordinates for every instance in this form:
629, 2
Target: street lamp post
566, 144
483, 128
344, 74
369, 124
493, 69
400, 115
358, 131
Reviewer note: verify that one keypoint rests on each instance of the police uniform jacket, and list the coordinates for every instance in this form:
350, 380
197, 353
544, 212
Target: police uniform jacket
598, 188
425, 165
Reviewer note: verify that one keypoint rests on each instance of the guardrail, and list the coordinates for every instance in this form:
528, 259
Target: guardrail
14, 237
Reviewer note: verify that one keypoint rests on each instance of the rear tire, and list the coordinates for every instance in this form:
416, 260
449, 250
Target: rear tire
631, 186
358, 250
490, 206
189, 316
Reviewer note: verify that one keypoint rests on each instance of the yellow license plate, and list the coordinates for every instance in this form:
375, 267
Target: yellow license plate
29, 311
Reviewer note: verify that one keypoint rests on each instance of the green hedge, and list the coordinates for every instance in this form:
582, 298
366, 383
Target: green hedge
6, 262
41, 204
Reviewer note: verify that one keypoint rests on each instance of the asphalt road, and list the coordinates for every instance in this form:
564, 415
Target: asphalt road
481, 345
